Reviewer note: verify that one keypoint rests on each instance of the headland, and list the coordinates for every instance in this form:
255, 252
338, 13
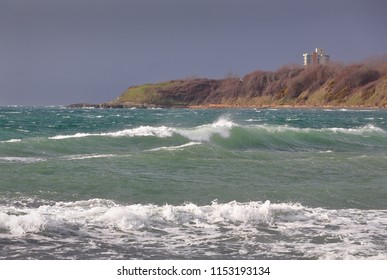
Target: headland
359, 85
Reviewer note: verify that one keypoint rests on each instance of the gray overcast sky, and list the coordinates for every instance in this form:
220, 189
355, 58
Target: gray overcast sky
67, 51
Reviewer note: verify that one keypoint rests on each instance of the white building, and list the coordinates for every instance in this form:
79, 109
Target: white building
316, 57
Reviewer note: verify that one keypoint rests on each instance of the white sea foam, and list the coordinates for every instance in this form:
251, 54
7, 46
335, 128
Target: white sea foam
87, 156
175, 148
19, 223
22, 159
325, 152
161, 131
221, 127
252, 227
77, 135
367, 129
281, 128
11, 141
364, 130
95, 211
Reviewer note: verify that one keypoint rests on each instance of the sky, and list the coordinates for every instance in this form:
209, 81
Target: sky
56, 52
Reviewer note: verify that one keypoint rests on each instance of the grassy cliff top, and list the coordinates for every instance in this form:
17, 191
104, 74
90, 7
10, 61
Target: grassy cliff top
336, 85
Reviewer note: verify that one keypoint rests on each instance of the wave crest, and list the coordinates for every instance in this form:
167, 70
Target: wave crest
273, 228
204, 132
97, 212
20, 223
161, 131
221, 127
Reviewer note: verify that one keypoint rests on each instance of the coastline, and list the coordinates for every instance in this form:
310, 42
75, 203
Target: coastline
355, 86
228, 106
224, 106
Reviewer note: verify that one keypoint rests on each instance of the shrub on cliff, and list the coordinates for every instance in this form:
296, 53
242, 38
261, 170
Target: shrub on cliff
310, 79
353, 76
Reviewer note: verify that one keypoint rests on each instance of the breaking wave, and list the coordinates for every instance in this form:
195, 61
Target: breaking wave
221, 127
224, 133
201, 133
94, 212
224, 128
141, 131
250, 227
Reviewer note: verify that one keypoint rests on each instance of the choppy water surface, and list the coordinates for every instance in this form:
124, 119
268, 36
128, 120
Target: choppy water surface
192, 184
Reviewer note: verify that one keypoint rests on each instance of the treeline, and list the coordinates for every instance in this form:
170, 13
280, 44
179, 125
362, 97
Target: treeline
362, 84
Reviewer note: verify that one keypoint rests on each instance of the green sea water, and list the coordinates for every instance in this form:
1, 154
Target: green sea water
192, 184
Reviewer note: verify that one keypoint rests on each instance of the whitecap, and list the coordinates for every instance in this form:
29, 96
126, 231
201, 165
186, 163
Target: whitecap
11, 141
367, 129
221, 127
77, 135
161, 132
22, 159
282, 128
364, 130
87, 156
175, 148
274, 228
127, 217
19, 224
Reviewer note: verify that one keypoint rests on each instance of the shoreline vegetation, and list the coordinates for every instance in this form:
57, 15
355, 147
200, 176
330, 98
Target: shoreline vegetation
361, 85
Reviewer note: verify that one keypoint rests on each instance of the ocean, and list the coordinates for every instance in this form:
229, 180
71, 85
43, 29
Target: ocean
192, 184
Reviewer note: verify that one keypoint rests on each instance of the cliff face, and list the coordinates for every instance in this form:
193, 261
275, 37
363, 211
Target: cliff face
356, 85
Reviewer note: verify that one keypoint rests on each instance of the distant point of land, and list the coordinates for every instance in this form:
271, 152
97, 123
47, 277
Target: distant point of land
331, 85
